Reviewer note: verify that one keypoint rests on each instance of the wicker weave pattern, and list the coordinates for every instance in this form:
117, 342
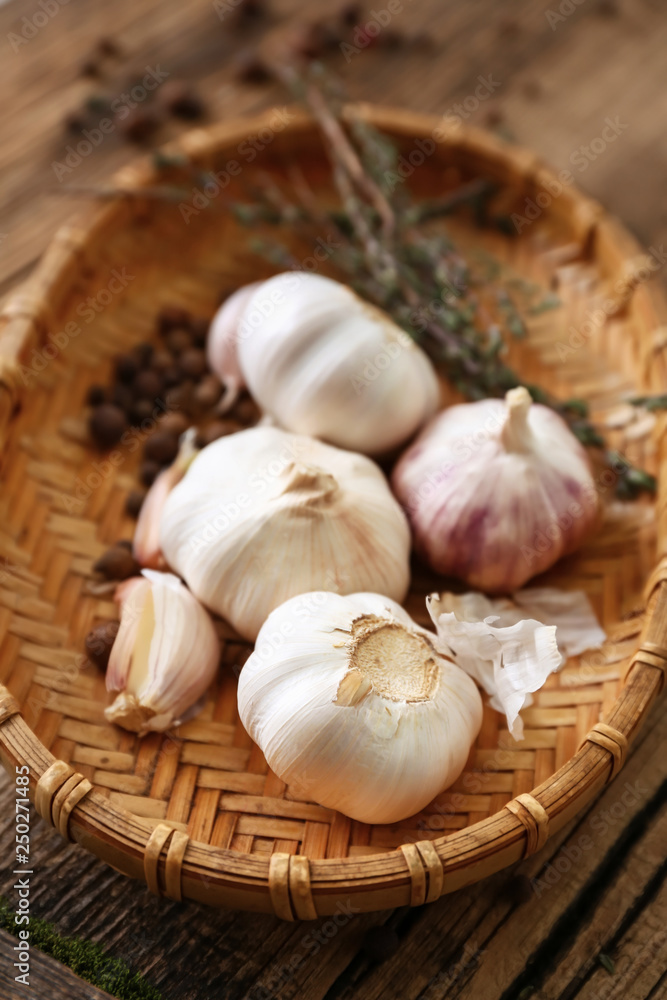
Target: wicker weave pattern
206, 783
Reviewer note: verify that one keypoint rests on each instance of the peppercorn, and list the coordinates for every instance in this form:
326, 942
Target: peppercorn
215, 430
192, 362
96, 395
143, 352
134, 501
139, 125
99, 642
149, 471
122, 396
148, 384
117, 563
208, 392
171, 317
172, 377
246, 411
126, 367
108, 47
200, 328
141, 409
181, 100
174, 423
249, 67
107, 424
161, 361
161, 447
178, 340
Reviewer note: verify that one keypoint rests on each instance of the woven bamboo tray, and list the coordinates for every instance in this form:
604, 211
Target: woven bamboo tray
196, 812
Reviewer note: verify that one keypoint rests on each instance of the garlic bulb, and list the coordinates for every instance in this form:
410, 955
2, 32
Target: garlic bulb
221, 343
352, 705
164, 657
497, 491
323, 362
263, 515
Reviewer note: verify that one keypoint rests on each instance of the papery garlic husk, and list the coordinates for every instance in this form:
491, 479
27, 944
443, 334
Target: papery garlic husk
354, 707
146, 542
164, 657
222, 344
263, 515
571, 611
497, 491
509, 661
324, 362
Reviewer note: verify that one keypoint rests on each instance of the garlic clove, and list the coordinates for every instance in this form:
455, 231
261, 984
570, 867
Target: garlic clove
146, 542
497, 492
509, 662
222, 344
353, 705
164, 657
324, 362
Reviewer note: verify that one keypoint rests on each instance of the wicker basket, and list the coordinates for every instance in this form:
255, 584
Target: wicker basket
196, 812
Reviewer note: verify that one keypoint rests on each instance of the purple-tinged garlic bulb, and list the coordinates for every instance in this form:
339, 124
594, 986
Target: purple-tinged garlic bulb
497, 491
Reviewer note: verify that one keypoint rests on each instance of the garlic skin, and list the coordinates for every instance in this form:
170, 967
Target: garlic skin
323, 362
497, 491
263, 515
352, 705
164, 657
221, 344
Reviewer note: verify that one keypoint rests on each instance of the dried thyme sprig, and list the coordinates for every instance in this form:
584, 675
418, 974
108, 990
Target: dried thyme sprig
417, 276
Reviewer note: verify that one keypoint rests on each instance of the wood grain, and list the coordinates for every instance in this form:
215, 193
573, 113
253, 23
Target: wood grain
593, 65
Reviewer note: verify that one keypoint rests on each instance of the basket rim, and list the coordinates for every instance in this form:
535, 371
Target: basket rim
312, 887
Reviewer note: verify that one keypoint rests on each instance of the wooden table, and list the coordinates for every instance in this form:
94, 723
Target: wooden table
585, 918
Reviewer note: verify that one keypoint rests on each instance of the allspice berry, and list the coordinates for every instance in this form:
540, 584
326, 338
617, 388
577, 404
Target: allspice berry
215, 430
181, 100
107, 423
200, 328
141, 409
172, 376
174, 423
208, 392
143, 352
121, 395
147, 385
126, 367
99, 642
161, 361
178, 340
97, 394
117, 563
192, 362
171, 317
149, 471
249, 67
246, 411
134, 501
161, 447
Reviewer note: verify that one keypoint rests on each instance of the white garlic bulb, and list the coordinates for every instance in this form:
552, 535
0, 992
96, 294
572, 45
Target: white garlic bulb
221, 343
352, 705
164, 657
497, 491
323, 362
263, 515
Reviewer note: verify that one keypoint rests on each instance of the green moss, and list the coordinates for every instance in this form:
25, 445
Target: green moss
85, 958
